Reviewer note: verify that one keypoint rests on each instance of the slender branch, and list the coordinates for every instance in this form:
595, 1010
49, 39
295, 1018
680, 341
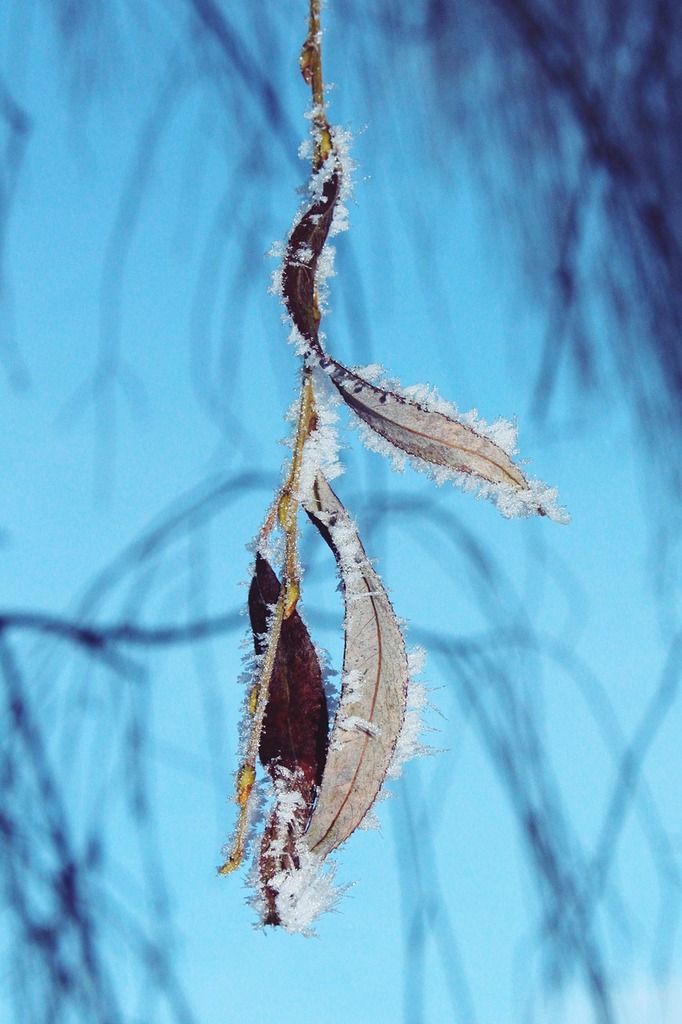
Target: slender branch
98, 637
287, 514
287, 511
285, 507
311, 68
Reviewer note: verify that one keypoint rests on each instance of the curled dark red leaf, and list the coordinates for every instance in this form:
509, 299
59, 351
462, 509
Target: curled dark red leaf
293, 741
295, 728
301, 258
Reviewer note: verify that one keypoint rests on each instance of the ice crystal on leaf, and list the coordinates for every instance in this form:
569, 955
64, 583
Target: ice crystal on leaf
325, 779
300, 885
410, 738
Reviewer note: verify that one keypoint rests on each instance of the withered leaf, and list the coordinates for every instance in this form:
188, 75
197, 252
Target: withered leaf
295, 727
374, 689
279, 849
293, 740
423, 433
301, 257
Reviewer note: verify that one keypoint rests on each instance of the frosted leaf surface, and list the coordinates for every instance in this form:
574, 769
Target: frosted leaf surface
373, 689
432, 435
307, 258
308, 236
305, 892
294, 730
425, 433
292, 885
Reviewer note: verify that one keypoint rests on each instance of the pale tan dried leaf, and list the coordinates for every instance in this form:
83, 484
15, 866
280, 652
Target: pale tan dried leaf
374, 689
423, 433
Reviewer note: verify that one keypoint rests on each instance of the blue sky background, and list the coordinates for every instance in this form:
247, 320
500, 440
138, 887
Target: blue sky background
197, 398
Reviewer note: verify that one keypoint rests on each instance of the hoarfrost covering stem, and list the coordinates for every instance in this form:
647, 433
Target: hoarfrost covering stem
321, 449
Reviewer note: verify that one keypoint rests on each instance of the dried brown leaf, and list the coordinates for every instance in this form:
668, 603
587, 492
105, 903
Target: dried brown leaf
301, 257
294, 733
374, 690
293, 739
280, 846
425, 434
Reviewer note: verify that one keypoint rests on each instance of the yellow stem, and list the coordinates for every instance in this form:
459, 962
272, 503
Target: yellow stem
287, 513
285, 507
311, 66
246, 776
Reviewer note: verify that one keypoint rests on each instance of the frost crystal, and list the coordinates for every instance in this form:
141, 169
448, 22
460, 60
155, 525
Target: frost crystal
321, 451
306, 892
410, 743
303, 889
358, 724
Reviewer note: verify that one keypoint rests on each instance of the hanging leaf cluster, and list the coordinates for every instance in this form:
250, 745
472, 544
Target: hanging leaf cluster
324, 778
